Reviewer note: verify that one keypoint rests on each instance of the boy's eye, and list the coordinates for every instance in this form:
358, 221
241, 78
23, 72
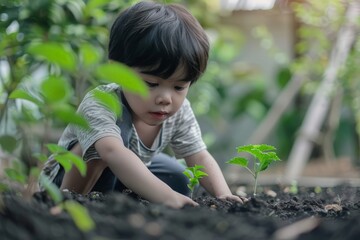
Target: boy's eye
151, 85
178, 88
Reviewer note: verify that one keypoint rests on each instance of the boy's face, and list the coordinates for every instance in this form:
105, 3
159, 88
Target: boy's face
165, 98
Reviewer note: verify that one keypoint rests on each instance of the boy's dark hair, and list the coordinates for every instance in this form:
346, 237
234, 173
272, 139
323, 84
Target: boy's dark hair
158, 39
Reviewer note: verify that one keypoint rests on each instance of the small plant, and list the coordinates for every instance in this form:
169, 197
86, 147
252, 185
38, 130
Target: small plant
194, 174
317, 189
263, 155
294, 187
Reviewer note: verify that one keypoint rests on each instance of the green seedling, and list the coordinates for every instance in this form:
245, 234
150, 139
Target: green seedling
317, 189
294, 187
263, 155
194, 174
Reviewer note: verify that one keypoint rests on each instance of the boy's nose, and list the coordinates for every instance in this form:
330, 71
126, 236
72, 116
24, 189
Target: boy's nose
163, 99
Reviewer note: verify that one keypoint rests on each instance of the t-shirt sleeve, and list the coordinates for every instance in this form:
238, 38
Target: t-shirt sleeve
102, 123
187, 139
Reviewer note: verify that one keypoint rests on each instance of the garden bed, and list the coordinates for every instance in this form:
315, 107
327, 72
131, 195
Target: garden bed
327, 213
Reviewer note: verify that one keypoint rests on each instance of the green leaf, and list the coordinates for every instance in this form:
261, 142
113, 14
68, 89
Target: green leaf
191, 187
69, 115
94, 4
56, 53
109, 100
93, 7
124, 76
3, 187
264, 165
77, 161
64, 161
260, 155
194, 181
40, 156
89, 54
273, 156
76, 8
15, 175
249, 149
245, 148
8, 143
55, 89
80, 215
266, 157
22, 94
67, 158
239, 161
187, 173
200, 174
51, 189
265, 147
197, 167
35, 172
54, 148
258, 151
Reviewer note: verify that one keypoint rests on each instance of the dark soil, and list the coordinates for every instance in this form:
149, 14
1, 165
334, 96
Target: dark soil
333, 213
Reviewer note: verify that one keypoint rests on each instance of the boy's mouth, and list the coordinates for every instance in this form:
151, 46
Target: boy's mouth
159, 115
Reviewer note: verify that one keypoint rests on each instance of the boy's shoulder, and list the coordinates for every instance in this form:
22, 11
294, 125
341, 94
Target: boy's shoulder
185, 112
186, 106
107, 88
186, 103
91, 102
111, 87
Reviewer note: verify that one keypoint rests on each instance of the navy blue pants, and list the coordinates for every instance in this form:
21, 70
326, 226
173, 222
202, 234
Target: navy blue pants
166, 168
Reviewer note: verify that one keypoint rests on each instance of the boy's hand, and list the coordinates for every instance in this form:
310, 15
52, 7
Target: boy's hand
231, 197
180, 201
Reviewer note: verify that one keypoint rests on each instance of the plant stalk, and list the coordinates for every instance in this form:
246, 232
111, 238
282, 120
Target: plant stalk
256, 179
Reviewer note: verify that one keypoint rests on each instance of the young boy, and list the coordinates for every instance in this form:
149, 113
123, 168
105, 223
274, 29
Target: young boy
168, 48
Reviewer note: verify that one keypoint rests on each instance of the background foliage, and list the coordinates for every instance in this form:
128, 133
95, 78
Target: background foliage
53, 51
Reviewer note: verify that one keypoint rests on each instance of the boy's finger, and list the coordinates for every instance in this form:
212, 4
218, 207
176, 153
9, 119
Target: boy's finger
244, 199
192, 203
232, 198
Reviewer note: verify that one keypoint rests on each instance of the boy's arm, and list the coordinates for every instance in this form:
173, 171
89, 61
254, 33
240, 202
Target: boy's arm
215, 182
133, 173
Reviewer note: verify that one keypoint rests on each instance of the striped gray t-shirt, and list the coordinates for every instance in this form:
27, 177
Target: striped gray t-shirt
181, 131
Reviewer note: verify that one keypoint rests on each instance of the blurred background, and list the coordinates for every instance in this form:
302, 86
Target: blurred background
281, 72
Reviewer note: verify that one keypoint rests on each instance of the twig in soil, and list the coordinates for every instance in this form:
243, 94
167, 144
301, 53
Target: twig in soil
292, 231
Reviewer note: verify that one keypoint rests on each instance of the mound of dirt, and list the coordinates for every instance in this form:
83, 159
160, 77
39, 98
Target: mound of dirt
332, 213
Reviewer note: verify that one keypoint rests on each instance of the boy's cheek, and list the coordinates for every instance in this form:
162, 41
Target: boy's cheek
145, 98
